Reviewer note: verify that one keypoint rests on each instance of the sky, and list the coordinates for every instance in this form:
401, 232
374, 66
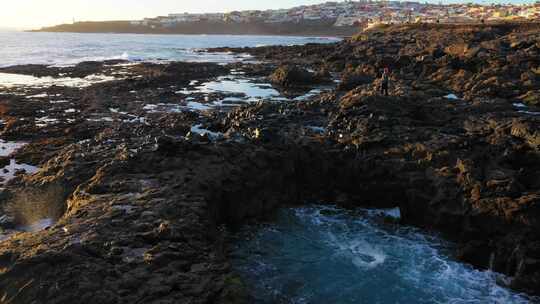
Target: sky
29, 14
25, 14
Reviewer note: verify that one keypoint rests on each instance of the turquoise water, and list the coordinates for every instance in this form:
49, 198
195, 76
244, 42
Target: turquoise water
322, 254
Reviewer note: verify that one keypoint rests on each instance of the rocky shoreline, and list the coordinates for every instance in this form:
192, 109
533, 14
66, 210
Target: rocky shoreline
144, 167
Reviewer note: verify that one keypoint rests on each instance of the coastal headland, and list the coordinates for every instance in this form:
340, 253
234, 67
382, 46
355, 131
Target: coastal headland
140, 176
307, 28
324, 19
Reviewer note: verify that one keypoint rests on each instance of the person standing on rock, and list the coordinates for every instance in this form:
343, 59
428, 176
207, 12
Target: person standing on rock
384, 82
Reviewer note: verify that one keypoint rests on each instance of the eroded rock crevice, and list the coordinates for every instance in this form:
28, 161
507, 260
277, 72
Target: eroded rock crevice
142, 197
151, 209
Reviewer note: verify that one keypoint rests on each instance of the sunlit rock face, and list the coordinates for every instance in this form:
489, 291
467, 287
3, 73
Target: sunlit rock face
157, 166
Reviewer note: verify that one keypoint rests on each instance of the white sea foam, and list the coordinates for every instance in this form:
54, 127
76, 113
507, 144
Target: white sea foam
101, 119
16, 80
519, 105
8, 172
38, 225
197, 129
451, 96
317, 129
43, 95
524, 109
197, 106
323, 254
392, 212
358, 251
8, 147
530, 113
45, 121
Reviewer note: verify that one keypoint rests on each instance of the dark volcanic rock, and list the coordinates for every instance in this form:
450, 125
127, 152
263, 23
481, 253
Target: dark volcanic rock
80, 70
4, 161
290, 76
479, 61
145, 201
531, 98
353, 79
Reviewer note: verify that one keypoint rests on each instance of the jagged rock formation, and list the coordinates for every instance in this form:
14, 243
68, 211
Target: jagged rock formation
146, 206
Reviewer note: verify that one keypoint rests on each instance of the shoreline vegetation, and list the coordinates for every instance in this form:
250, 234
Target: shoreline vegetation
130, 184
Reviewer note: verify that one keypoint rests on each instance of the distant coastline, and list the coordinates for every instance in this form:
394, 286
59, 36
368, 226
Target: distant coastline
312, 28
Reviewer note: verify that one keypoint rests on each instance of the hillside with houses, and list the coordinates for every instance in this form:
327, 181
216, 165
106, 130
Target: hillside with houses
349, 13
340, 18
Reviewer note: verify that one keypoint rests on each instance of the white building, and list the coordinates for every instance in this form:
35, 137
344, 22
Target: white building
343, 20
185, 17
311, 14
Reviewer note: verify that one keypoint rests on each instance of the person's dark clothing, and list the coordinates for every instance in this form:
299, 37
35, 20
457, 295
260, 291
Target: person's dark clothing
384, 84
384, 88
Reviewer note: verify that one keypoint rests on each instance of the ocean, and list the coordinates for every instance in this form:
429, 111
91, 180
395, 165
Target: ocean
64, 49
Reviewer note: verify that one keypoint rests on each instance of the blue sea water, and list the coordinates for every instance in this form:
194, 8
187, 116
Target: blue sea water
323, 254
71, 48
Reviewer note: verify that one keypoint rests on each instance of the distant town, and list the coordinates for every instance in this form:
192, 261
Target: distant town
360, 13
340, 19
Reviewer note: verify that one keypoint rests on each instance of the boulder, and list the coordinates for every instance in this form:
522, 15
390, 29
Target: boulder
4, 161
526, 130
457, 50
531, 98
290, 76
475, 252
351, 80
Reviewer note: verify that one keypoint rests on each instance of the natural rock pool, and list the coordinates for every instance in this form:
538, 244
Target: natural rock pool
323, 254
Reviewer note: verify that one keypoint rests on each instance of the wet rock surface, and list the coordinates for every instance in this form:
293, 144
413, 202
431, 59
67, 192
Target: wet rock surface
140, 199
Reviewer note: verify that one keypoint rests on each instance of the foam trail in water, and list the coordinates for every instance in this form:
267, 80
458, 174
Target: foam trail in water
323, 254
